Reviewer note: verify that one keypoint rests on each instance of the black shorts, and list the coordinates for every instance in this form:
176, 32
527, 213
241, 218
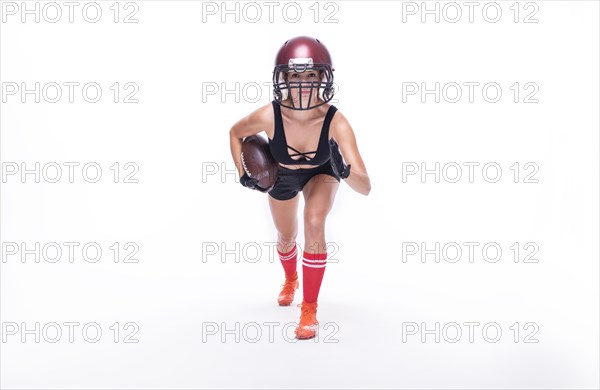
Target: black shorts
290, 181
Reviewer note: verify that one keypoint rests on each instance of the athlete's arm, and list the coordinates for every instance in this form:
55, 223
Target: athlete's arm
344, 135
254, 123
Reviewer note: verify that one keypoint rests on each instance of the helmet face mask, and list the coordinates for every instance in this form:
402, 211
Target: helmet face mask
302, 55
300, 95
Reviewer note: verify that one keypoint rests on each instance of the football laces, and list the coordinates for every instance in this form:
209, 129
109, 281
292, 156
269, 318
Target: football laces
244, 164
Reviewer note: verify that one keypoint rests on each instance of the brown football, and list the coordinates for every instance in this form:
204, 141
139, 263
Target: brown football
258, 161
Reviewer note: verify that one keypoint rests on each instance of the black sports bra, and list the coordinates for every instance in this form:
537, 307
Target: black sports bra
278, 144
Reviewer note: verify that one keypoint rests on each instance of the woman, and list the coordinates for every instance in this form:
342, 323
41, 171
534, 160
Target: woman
300, 119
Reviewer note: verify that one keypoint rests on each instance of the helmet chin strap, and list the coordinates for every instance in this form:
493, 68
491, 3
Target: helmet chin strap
293, 107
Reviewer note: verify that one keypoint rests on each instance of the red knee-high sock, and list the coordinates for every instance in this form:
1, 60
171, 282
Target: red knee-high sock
313, 269
289, 260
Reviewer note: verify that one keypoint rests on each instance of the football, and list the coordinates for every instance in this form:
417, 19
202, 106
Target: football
258, 161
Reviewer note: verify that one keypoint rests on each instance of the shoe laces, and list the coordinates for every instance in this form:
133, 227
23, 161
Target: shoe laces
308, 313
289, 286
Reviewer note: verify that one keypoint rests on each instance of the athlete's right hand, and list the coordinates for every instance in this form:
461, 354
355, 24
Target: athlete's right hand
247, 181
251, 183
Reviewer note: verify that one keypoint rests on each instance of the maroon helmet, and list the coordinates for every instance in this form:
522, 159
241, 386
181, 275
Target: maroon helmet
296, 56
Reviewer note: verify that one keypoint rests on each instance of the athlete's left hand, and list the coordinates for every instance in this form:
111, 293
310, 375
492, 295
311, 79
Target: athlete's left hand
337, 161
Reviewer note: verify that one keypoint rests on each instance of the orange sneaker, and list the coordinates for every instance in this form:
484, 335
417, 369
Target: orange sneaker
286, 296
308, 326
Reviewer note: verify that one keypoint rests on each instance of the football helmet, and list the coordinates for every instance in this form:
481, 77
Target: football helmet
303, 74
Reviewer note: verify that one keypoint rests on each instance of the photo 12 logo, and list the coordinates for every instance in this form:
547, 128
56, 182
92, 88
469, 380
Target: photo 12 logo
471, 252
215, 172
254, 252
70, 332
469, 11
469, 92
69, 11
269, 12
271, 332
471, 332
68, 172
70, 252
469, 172
69, 92
248, 92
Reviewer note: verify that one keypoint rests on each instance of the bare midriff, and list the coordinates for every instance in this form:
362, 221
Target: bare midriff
297, 166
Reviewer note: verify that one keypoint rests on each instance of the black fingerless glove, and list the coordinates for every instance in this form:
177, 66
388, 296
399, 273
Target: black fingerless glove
251, 183
337, 162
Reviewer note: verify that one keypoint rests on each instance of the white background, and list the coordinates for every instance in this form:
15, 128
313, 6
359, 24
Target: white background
369, 294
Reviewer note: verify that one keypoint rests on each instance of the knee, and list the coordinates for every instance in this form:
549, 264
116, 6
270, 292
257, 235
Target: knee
287, 238
314, 224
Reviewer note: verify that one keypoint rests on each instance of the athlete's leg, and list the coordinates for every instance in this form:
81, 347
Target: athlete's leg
319, 195
285, 217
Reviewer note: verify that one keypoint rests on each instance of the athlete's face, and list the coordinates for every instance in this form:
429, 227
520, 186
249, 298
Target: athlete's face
309, 93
